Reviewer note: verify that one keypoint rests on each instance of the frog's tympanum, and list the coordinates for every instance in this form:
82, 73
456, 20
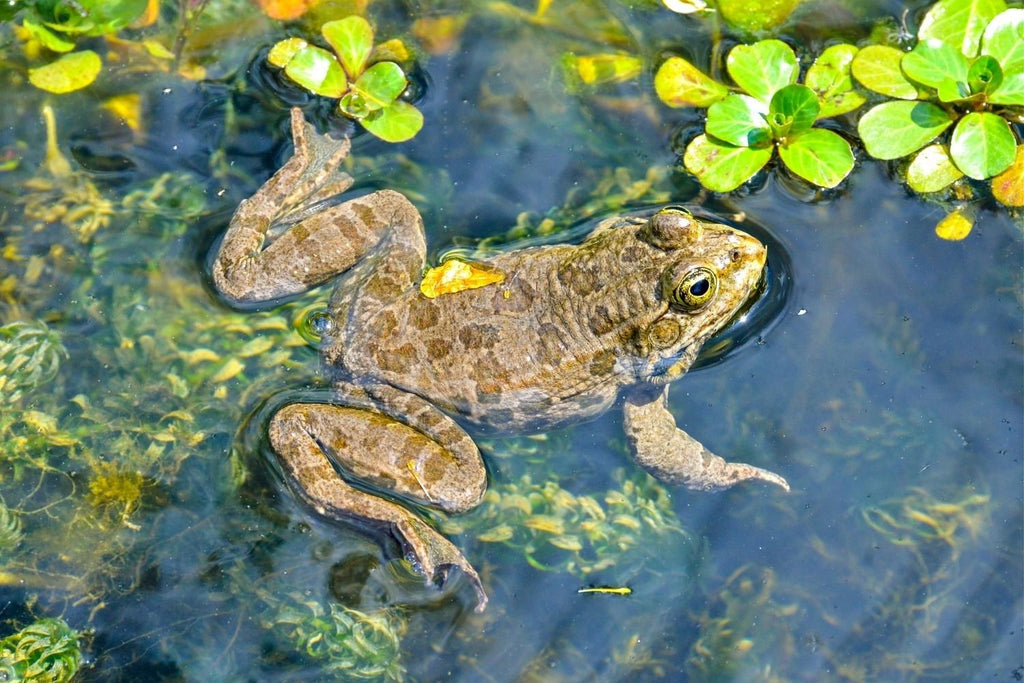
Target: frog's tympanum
526, 341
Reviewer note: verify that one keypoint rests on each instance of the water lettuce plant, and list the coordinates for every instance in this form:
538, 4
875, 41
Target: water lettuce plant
366, 81
770, 111
44, 652
52, 28
965, 76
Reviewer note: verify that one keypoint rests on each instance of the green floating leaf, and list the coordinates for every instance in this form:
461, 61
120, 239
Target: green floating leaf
932, 170
895, 129
68, 73
982, 145
756, 15
397, 122
932, 61
722, 167
681, 84
739, 120
89, 17
285, 50
316, 70
985, 75
351, 39
381, 84
1004, 41
959, 23
793, 110
818, 156
762, 68
49, 39
829, 78
877, 68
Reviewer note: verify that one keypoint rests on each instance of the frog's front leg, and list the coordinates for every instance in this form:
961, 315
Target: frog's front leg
423, 456
284, 239
673, 456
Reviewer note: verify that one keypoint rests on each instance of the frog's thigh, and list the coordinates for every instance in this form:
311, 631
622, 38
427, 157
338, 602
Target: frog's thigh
390, 455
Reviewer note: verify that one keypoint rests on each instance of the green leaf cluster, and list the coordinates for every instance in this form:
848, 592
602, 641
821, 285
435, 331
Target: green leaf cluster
770, 112
366, 84
558, 531
348, 644
44, 652
30, 356
966, 73
55, 25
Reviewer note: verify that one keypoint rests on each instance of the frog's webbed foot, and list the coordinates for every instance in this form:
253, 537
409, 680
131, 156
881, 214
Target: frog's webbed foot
308, 436
433, 555
675, 457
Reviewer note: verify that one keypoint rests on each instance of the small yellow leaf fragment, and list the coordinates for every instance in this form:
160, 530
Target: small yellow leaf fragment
607, 590
196, 356
455, 276
607, 68
230, 369
128, 108
954, 227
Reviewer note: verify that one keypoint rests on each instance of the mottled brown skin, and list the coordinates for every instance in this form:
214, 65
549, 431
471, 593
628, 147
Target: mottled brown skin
568, 330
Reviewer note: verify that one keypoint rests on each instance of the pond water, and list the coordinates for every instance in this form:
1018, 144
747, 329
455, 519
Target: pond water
143, 507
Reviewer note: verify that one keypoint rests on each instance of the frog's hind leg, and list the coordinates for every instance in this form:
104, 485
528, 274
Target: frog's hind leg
382, 451
287, 238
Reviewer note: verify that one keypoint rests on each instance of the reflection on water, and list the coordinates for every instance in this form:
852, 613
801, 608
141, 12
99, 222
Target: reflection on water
881, 375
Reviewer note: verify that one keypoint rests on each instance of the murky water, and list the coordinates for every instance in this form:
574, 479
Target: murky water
149, 515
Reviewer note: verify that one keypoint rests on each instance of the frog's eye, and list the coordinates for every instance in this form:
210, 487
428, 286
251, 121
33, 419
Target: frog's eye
695, 289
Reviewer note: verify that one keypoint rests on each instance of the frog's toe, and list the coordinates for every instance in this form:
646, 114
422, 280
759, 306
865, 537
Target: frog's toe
433, 555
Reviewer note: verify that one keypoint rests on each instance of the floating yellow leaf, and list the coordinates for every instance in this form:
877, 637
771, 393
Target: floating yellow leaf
954, 227
455, 276
68, 73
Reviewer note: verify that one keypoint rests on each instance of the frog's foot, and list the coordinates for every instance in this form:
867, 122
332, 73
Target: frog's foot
433, 555
307, 436
675, 457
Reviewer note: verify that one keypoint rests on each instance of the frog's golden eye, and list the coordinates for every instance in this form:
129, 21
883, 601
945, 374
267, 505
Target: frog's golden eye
695, 289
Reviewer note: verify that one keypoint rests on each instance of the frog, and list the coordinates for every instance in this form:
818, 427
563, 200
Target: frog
549, 335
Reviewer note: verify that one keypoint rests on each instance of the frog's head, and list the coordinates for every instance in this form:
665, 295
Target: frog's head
707, 272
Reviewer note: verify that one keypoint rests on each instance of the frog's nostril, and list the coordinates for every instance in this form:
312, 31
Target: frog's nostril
735, 255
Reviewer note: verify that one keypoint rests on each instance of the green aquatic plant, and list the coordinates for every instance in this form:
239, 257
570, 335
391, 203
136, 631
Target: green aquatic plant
771, 112
579, 534
919, 519
366, 80
744, 629
44, 652
30, 356
963, 84
344, 642
50, 30
10, 529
